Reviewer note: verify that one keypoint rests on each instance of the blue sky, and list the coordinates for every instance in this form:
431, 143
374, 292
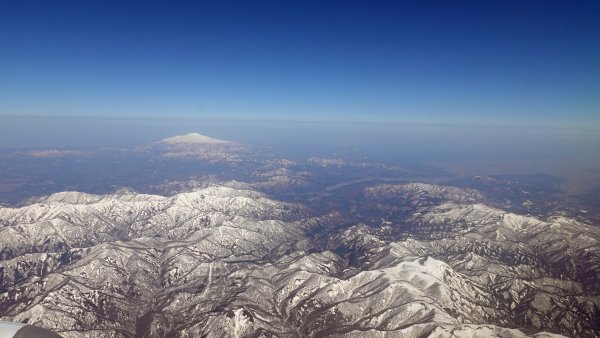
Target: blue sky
485, 62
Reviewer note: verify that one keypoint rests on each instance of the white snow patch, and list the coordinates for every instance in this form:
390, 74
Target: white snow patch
193, 138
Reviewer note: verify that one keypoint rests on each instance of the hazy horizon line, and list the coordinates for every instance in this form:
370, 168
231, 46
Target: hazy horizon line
375, 122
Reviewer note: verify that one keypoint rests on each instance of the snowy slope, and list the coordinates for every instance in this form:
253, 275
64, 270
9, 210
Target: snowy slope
225, 262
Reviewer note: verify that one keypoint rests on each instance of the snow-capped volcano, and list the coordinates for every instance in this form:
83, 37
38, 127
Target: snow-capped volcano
199, 147
192, 139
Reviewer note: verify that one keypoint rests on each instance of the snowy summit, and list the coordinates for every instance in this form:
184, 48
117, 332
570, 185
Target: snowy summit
193, 138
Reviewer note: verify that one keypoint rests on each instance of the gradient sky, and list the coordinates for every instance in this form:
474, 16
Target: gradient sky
482, 62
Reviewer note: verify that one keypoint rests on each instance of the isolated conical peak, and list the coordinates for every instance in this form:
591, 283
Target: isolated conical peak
193, 138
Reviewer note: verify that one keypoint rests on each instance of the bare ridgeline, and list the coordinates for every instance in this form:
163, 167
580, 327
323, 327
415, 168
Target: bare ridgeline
214, 257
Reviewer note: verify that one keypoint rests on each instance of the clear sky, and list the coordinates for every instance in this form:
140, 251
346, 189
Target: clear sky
520, 62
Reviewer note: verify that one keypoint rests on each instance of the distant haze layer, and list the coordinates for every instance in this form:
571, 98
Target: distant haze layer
463, 149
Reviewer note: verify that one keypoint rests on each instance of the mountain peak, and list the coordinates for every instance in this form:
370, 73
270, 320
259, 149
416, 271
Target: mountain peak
192, 138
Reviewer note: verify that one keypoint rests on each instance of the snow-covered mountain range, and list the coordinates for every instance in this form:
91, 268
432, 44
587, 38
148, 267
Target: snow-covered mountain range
231, 262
